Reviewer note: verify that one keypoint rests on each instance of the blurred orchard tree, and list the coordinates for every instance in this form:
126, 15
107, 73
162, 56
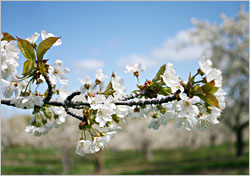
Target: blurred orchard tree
227, 44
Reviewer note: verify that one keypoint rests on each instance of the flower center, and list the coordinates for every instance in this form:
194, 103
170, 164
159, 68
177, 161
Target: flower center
56, 71
186, 103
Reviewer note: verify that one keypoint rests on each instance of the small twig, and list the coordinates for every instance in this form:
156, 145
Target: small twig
66, 107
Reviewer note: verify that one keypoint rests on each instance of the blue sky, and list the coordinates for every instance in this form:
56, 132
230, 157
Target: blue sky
111, 34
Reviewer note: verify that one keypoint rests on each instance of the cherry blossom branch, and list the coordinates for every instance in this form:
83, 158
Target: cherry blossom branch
128, 100
68, 103
50, 92
77, 104
131, 96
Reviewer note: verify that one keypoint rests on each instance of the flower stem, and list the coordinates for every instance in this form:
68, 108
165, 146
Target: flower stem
93, 88
198, 82
82, 134
138, 79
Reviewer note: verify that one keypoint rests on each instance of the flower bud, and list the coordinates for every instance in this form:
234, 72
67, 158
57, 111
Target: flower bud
40, 81
34, 45
136, 109
209, 109
97, 81
155, 116
86, 86
82, 125
102, 133
204, 80
200, 72
136, 74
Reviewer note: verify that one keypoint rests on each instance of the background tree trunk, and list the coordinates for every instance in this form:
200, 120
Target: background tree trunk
146, 149
67, 161
239, 140
212, 139
99, 162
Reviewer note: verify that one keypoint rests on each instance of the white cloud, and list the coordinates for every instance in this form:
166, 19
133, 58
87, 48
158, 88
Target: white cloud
134, 59
171, 49
88, 64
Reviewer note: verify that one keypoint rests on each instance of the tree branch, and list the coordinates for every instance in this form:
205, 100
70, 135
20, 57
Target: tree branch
50, 92
128, 100
245, 124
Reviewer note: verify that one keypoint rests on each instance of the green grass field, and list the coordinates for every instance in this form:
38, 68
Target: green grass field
204, 160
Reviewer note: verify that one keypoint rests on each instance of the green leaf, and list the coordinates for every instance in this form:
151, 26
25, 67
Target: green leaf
47, 112
214, 90
199, 91
108, 93
135, 91
28, 67
26, 48
164, 90
44, 46
159, 73
56, 116
109, 89
116, 118
42, 68
210, 87
211, 100
195, 88
7, 37
109, 86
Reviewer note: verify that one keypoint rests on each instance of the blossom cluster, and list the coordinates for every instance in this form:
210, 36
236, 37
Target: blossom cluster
191, 104
21, 88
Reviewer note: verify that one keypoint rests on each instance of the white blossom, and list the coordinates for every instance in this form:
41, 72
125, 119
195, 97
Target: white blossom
45, 35
205, 64
215, 75
188, 107
122, 110
86, 84
105, 108
57, 70
33, 38
135, 68
118, 86
27, 102
169, 115
211, 73
171, 79
22, 85
112, 128
30, 129
83, 147
155, 124
97, 101
142, 113
62, 115
187, 121
9, 88
99, 75
220, 96
9, 57
86, 146
104, 114
187, 111
207, 119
